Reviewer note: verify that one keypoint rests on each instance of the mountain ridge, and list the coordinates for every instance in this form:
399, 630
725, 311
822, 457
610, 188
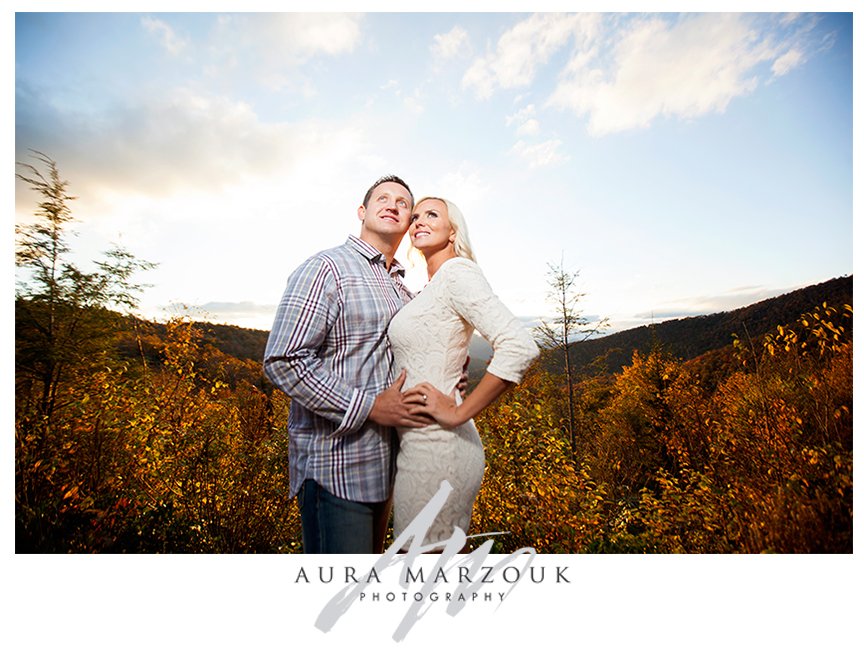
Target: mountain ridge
686, 338
693, 336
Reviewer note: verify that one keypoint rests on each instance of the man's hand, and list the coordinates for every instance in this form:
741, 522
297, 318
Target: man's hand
391, 409
462, 385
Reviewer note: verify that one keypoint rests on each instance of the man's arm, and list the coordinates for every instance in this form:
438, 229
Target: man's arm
306, 313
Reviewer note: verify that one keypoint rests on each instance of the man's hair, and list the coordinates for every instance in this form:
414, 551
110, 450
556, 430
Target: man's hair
386, 179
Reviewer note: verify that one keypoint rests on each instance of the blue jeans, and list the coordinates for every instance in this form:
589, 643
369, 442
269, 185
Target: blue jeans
335, 525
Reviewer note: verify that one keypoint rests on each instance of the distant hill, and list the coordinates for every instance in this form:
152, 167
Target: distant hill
239, 342
686, 338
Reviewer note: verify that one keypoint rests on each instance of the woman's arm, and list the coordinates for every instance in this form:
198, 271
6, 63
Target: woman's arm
425, 399
470, 296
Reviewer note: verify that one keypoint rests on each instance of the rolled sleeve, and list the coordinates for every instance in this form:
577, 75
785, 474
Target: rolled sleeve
292, 359
328, 350
357, 413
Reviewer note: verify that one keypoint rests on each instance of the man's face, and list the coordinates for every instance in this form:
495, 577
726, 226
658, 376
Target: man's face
389, 210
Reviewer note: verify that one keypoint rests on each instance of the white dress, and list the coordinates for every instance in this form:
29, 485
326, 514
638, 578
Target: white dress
429, 338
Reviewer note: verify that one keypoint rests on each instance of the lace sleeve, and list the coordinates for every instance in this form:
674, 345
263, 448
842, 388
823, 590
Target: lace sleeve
472, 298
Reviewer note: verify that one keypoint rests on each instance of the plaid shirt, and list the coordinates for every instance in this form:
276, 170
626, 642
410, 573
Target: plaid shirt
328, 350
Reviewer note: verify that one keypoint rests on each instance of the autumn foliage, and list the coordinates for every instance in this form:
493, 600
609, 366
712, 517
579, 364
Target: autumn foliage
140, 437
761, 462
170, 458
188, 454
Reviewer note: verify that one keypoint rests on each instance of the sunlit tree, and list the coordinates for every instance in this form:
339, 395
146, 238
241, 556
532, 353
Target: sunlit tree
567, 326
66, 319
62, 311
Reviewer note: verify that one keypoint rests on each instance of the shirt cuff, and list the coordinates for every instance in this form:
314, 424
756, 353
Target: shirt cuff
357, 413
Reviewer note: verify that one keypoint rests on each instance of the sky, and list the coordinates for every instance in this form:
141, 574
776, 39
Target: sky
682, 164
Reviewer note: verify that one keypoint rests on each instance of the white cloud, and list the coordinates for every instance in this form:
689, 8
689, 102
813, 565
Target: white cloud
269, 47
522, 115
789, 18
655, 66
451, 45
525, 123
184, 140
786, 62
273, 47
168, 38
413, 103
542, 154
295, 37
624, 71
521, 49
698, 305
203, 186
528, 127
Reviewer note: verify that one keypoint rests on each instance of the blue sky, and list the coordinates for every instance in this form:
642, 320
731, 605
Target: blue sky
682, 163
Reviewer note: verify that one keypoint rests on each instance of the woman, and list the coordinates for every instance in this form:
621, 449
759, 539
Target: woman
429, 338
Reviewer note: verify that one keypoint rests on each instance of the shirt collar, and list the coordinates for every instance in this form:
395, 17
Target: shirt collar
374, 255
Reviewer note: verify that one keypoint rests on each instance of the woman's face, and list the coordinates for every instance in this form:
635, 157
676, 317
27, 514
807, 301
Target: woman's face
430, 228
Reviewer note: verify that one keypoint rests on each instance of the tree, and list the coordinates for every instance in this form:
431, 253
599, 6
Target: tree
62, 312
567, 326
67, 322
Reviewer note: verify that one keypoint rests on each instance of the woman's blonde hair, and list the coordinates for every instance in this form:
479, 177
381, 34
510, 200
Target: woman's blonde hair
462, 243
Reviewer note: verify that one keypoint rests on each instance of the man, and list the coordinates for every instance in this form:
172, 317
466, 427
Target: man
328, 351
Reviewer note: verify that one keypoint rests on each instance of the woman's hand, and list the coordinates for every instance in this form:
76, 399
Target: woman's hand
425, 399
